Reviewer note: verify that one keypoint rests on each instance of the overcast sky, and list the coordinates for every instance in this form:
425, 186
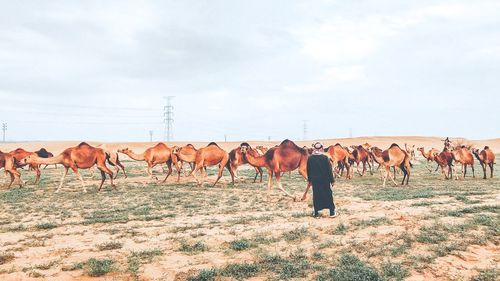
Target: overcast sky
98, 70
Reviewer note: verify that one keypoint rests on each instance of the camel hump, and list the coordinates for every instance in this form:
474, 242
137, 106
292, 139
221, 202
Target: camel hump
213, 143
189, 145
287, 142
338, 144
83, 144
394, 145
486, 147
18, 150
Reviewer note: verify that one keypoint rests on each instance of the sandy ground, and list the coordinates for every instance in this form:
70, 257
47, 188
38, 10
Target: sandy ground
431, 230
382, 142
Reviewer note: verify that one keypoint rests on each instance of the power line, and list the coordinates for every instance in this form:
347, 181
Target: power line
169, 119
4, 128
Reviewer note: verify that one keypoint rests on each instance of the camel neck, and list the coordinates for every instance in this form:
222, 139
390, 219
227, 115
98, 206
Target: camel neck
255, 159
137, 157
48, 161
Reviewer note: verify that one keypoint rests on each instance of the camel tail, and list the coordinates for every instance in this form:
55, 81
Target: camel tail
411, 165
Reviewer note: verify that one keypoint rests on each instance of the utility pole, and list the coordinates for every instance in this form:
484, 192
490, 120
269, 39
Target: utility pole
168, 115
268, 138
225, 138
151, 136
4, 128
304, 132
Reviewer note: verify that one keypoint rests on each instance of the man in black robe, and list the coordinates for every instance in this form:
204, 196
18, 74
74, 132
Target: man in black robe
320, 177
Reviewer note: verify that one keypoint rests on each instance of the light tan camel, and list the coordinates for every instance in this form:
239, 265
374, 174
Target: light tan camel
236, 159
396, 157
7, 162
486, 158
340, 159
283, 158
181, 155
113, 158
410, 149
429, 156
82, 156
463, 156
211, 155
19, 154
153, 156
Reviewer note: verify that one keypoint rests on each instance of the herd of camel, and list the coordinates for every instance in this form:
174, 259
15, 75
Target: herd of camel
277, 160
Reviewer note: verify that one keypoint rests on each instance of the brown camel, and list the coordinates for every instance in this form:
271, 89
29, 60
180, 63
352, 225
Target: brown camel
211, 155
340, 159
396, 157
236, 159
429, 156
486, 158
113, 159
8, 163
283, 158
377, 155
465, 158
83, 156
445, 159
19, 154
153, 156
361, 155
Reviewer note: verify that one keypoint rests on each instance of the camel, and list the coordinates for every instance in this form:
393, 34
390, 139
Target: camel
19, 154
211, 155
396, 157
464, 157
153, 156
410, 149
113, 159
445, 159
181, 155
283, 158
82, 156
340, 159
236, 159
378, 157
8, 163
486, 158
361, 155
429, 156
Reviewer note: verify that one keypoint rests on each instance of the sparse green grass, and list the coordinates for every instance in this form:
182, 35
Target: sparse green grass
296, 234
192, 248
351, 267
99, 267
113, 245
46, 225
240, 244
489, 274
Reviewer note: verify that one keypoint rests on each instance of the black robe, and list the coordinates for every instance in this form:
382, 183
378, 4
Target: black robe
320, 175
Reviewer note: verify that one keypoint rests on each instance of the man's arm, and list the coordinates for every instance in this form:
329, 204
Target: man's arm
331, 177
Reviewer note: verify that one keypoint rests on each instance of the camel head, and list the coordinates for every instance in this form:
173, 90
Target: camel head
176, 150
30, 159
421, 149
125, 150
475, 151
244, 147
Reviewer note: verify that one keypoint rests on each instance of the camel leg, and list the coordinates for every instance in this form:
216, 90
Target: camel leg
256, 174
491, 170
62, 178
169, 165
104, 170
370, 166
193, 173
38, 173
473, 172
269, 180
278, 183
386, 174
11, 179
81, 179
260, 172
122, 167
